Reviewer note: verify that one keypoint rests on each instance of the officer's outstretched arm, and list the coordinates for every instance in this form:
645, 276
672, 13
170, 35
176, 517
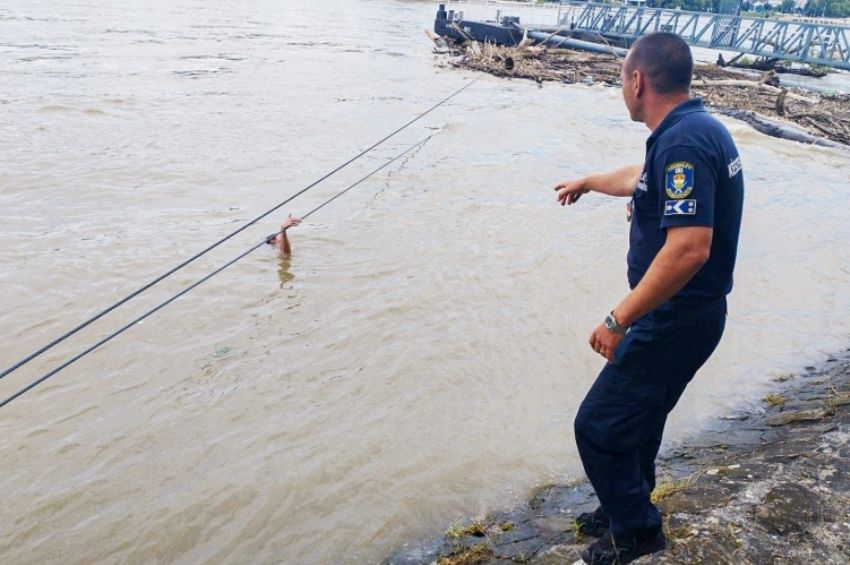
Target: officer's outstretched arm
621, 182
683, 254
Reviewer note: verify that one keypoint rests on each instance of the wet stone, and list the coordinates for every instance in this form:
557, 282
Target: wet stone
553, 527
520, 515
836, 476
785, 418
820, 394
520, 542
520, 550
789, 507
840, 400
826, 474
789, 450
736, 472
842, 452
730, 438
814, 429
696, 499
558, 555
519, 532
553, 499
801, 405
710, 547
424, 551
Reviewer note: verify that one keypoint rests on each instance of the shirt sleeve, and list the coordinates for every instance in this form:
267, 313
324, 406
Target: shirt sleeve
688, 182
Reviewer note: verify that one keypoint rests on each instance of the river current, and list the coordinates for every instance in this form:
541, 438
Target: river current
420, 356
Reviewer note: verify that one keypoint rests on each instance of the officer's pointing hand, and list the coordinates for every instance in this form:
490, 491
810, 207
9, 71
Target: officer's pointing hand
604, 342
570, 191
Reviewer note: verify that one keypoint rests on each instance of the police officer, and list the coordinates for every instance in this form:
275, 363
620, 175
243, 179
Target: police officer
686, 203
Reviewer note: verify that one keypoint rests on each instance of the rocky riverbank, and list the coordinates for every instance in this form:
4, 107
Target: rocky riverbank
820, 118
765, 486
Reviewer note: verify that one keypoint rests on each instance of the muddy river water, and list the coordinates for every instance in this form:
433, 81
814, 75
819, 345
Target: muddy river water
420, 356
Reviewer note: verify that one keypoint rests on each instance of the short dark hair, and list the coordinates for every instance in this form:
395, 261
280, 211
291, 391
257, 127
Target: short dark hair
665, 59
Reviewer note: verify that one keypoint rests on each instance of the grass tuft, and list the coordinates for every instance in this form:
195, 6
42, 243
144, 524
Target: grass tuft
477, 528
774, 399
475, 555
666, 488
578, 535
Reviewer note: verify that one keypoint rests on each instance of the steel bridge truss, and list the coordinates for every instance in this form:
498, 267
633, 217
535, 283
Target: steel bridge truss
821, 44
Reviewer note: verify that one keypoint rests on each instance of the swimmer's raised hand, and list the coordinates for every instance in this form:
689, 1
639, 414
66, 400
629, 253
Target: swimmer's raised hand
290, 221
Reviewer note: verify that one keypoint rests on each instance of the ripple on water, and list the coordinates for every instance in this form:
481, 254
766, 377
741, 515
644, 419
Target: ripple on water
56, 108
201, 73
220, 56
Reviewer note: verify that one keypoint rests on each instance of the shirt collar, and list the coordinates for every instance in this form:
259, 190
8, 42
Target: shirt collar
687, 107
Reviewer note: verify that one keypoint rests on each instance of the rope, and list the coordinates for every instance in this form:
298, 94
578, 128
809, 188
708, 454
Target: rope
197, 283
191, 259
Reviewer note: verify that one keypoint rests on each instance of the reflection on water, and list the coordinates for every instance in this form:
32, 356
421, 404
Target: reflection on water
283, 272
428, 361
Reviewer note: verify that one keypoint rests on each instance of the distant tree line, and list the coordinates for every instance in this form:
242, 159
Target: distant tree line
813, 8
827, 8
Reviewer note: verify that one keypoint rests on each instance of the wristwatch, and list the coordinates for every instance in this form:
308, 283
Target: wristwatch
612, 325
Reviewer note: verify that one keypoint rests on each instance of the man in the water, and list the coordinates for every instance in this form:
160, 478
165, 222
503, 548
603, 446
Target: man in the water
687, 199
280, 240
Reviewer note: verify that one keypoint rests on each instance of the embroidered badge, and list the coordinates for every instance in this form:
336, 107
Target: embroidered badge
679, 179
680, 207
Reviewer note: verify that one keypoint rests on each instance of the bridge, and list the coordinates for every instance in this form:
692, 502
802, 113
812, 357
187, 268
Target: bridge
800, 42
812, 42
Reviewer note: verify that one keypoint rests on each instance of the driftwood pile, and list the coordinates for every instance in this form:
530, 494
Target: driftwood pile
762, 102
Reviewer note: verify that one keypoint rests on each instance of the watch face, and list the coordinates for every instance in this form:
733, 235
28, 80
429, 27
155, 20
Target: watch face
611, 325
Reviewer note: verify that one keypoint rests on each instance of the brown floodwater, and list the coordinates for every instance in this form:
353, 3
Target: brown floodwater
420, 356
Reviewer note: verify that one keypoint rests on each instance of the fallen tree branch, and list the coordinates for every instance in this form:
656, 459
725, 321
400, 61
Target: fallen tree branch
775, 129
754, 84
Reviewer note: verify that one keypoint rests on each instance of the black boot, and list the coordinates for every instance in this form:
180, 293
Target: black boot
594, 523
608, 551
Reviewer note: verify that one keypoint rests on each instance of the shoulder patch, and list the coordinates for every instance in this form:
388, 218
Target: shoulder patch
679, 179
680, 207
735, 166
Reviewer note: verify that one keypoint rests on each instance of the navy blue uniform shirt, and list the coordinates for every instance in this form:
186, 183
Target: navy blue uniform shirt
692, 176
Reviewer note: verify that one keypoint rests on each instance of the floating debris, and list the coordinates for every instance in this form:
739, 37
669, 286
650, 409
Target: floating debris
821, 118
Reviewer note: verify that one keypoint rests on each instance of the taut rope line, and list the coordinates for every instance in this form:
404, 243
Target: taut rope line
167, 274
197, 283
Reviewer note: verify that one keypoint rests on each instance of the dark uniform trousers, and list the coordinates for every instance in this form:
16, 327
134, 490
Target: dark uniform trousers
619, 425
